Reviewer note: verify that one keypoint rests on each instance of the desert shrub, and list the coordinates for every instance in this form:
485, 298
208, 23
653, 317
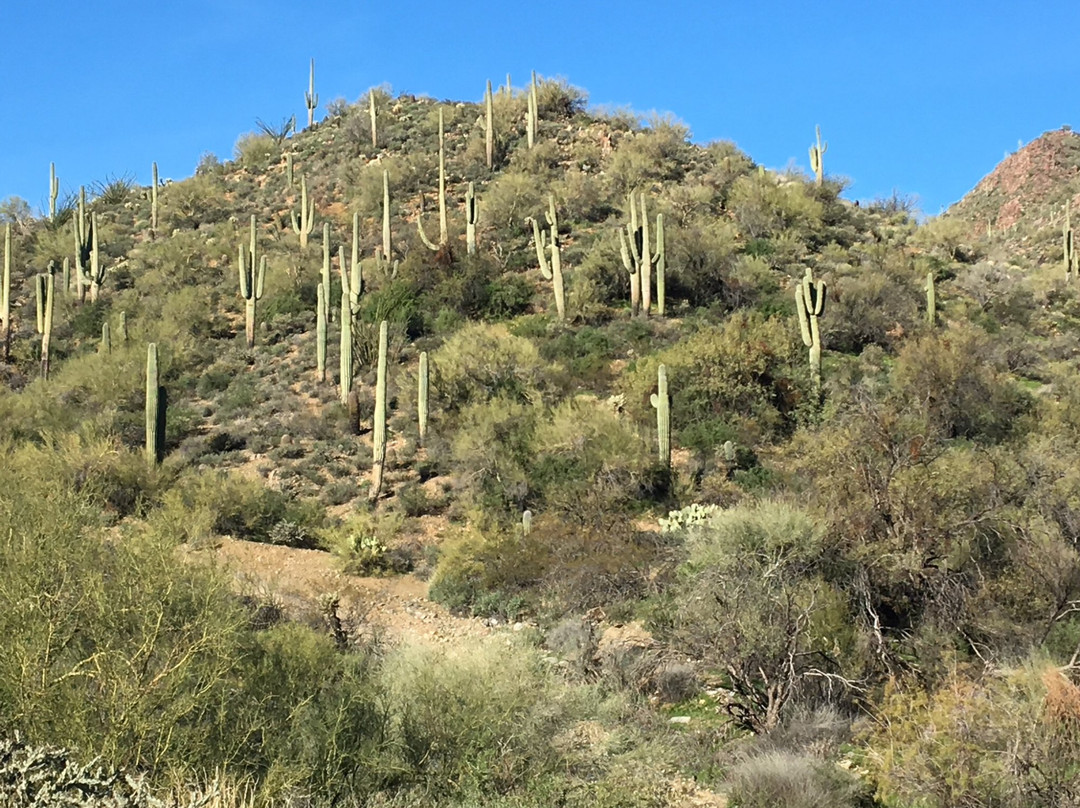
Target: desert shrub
363, 540
751, 604
492, 450
766, 205
870, 308
659, 153
1008, 739
481, 362
747, 371
952, 376
794, 781
255, 150
700, 259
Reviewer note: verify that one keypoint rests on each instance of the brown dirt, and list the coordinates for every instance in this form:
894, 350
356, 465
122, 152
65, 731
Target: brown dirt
392, 608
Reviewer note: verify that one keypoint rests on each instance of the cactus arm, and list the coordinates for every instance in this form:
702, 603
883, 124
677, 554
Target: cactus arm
345, 344
540, 241
471, 218
39, 298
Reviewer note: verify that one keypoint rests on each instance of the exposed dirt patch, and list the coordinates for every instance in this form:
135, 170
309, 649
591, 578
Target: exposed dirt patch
393, 608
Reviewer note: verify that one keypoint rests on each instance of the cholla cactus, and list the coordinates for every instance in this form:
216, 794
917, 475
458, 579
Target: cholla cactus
690, 515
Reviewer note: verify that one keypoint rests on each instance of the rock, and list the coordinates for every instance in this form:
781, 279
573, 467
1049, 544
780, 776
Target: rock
679, 719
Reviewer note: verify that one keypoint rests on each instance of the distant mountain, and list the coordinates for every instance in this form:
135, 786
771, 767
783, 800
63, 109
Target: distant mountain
1028, 189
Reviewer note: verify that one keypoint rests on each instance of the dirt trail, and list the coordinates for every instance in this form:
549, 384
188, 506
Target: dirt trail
393, 608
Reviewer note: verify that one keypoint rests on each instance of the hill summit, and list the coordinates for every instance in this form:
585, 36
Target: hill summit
1029, 186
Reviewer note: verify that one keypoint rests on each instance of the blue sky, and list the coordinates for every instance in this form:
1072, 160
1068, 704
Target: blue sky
921, 97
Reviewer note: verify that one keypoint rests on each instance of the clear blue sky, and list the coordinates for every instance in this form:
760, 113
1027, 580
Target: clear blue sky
921, 97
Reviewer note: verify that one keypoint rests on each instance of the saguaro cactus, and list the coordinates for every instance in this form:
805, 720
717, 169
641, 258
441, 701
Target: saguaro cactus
251, 283
106, 339
371, 111
320, 333
552, 270
326, 263
532, 115
472, 215
54, 191
45, 318
443, 236
1072, 255
155, 408
311, 98
817, 157
931, 299
83, 244
810, 304
422, 398
304, 224
386, 239
637, 256
153, 198
662, 404
379, 433
288, 170
97, 272
352, 286
489, 127
123, 327
526, 522
5, 293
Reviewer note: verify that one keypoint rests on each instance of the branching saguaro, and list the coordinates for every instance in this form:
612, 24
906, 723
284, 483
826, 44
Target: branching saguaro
810, 304
552, 270
379, 433
817, 157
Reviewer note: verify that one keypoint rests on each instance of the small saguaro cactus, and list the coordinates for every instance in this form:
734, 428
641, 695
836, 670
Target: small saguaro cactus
662, 404
45, 285
489, 127
65, 275
123, 327
552, 270
106, 339
472, 215
155, 408
379, 432
526, 522
304, 224
422, 398
371, 112
251, 284
817, 157
5, 293
54, 191
810, 304
153, 198
1072, 255
320, 333
311, 98
288, 170
931, 299
443, 235
532, 115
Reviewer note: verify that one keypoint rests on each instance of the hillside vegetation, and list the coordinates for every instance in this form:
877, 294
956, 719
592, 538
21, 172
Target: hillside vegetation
779, 490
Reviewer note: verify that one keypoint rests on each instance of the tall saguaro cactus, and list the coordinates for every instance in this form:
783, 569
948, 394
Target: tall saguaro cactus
320, 333
352, 286
54, 191
371, 112
153, 199
1072, 255
532, 115
817, 157
443, 235
386, 233
5, 293
472, 216
45, 285
311, 98
638, 257
552, 270
304, 224
251, 283
155, 408
422, 398
810, 304
489, 127
326, 263
661, 402
931, 299
379, 433
96, 274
